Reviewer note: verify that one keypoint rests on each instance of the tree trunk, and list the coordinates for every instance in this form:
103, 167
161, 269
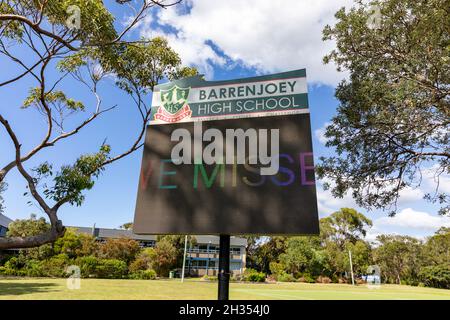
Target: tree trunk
33, 241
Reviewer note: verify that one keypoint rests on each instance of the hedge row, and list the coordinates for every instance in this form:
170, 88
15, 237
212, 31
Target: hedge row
89, 267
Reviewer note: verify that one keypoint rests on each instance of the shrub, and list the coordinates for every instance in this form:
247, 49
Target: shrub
144, 260
14, 264
285, 277
436, 276
119, 249
88, 266
276, 268
143, 275
33, 268
322, 279
165, 258
12, 272
68, 244
55, 266
254, 276
306, 277
138, 265
209, 278
111, 269
4, 271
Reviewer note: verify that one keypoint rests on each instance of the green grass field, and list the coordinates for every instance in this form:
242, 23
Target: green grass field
174, 289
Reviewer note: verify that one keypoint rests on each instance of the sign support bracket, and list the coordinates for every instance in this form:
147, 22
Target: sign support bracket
224, 267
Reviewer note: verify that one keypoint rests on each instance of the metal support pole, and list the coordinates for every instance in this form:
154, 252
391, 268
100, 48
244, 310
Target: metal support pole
224, 267
207, 261
351, 267
184, 258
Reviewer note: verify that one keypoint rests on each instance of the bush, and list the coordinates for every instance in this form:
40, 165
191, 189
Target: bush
276, 268
209, 278
165, 258
144, 260
322, 279
55, 266
8, 272
254, 276
285, 277
119, 249
33, 268
14, 264
14, 267
436, 276
88, 266
306, 277
111, 269
143, 275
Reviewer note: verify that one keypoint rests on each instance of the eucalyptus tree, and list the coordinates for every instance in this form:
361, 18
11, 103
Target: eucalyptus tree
81, 40
392, 126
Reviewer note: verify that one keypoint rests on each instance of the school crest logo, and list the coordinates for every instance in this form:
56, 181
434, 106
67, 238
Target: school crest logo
174, 106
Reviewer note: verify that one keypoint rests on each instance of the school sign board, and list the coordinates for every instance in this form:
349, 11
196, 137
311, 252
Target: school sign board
188, 187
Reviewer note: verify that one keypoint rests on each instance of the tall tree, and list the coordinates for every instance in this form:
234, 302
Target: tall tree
251, 249
345, 225
399, 258
165, 257
301, 254
269, 251
393, 121
177, 241
80, 40
437, 248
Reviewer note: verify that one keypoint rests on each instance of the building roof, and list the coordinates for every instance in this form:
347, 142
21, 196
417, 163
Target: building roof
4, 221
114, 233
120, 233
234, 241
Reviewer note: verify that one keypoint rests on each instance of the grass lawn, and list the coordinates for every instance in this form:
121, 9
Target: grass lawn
45, 288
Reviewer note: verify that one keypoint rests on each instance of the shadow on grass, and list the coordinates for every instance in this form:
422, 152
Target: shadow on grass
18, 288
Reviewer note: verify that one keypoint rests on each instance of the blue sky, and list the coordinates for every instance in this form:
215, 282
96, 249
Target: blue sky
225, 40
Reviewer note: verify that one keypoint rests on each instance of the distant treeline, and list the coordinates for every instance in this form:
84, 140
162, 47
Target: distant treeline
324, 258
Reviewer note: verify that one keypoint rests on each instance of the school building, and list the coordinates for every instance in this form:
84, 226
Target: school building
202, 258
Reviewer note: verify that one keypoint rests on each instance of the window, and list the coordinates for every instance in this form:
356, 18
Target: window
235, 251
235, 266
2, 231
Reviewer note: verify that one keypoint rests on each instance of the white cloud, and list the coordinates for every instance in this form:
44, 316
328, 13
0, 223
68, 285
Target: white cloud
192, 50
408, 195
320, 133
412, 219
267, 35
373, 233
327, 203
433, 177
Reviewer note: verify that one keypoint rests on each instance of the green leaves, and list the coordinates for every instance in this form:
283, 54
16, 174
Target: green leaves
27, 227
96, 21
144, 65
11, 29
74, 61
393, 117
345, 225
57, 97
72, 180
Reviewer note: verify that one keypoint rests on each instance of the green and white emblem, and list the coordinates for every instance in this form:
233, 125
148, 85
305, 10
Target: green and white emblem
174, 99
174, 105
